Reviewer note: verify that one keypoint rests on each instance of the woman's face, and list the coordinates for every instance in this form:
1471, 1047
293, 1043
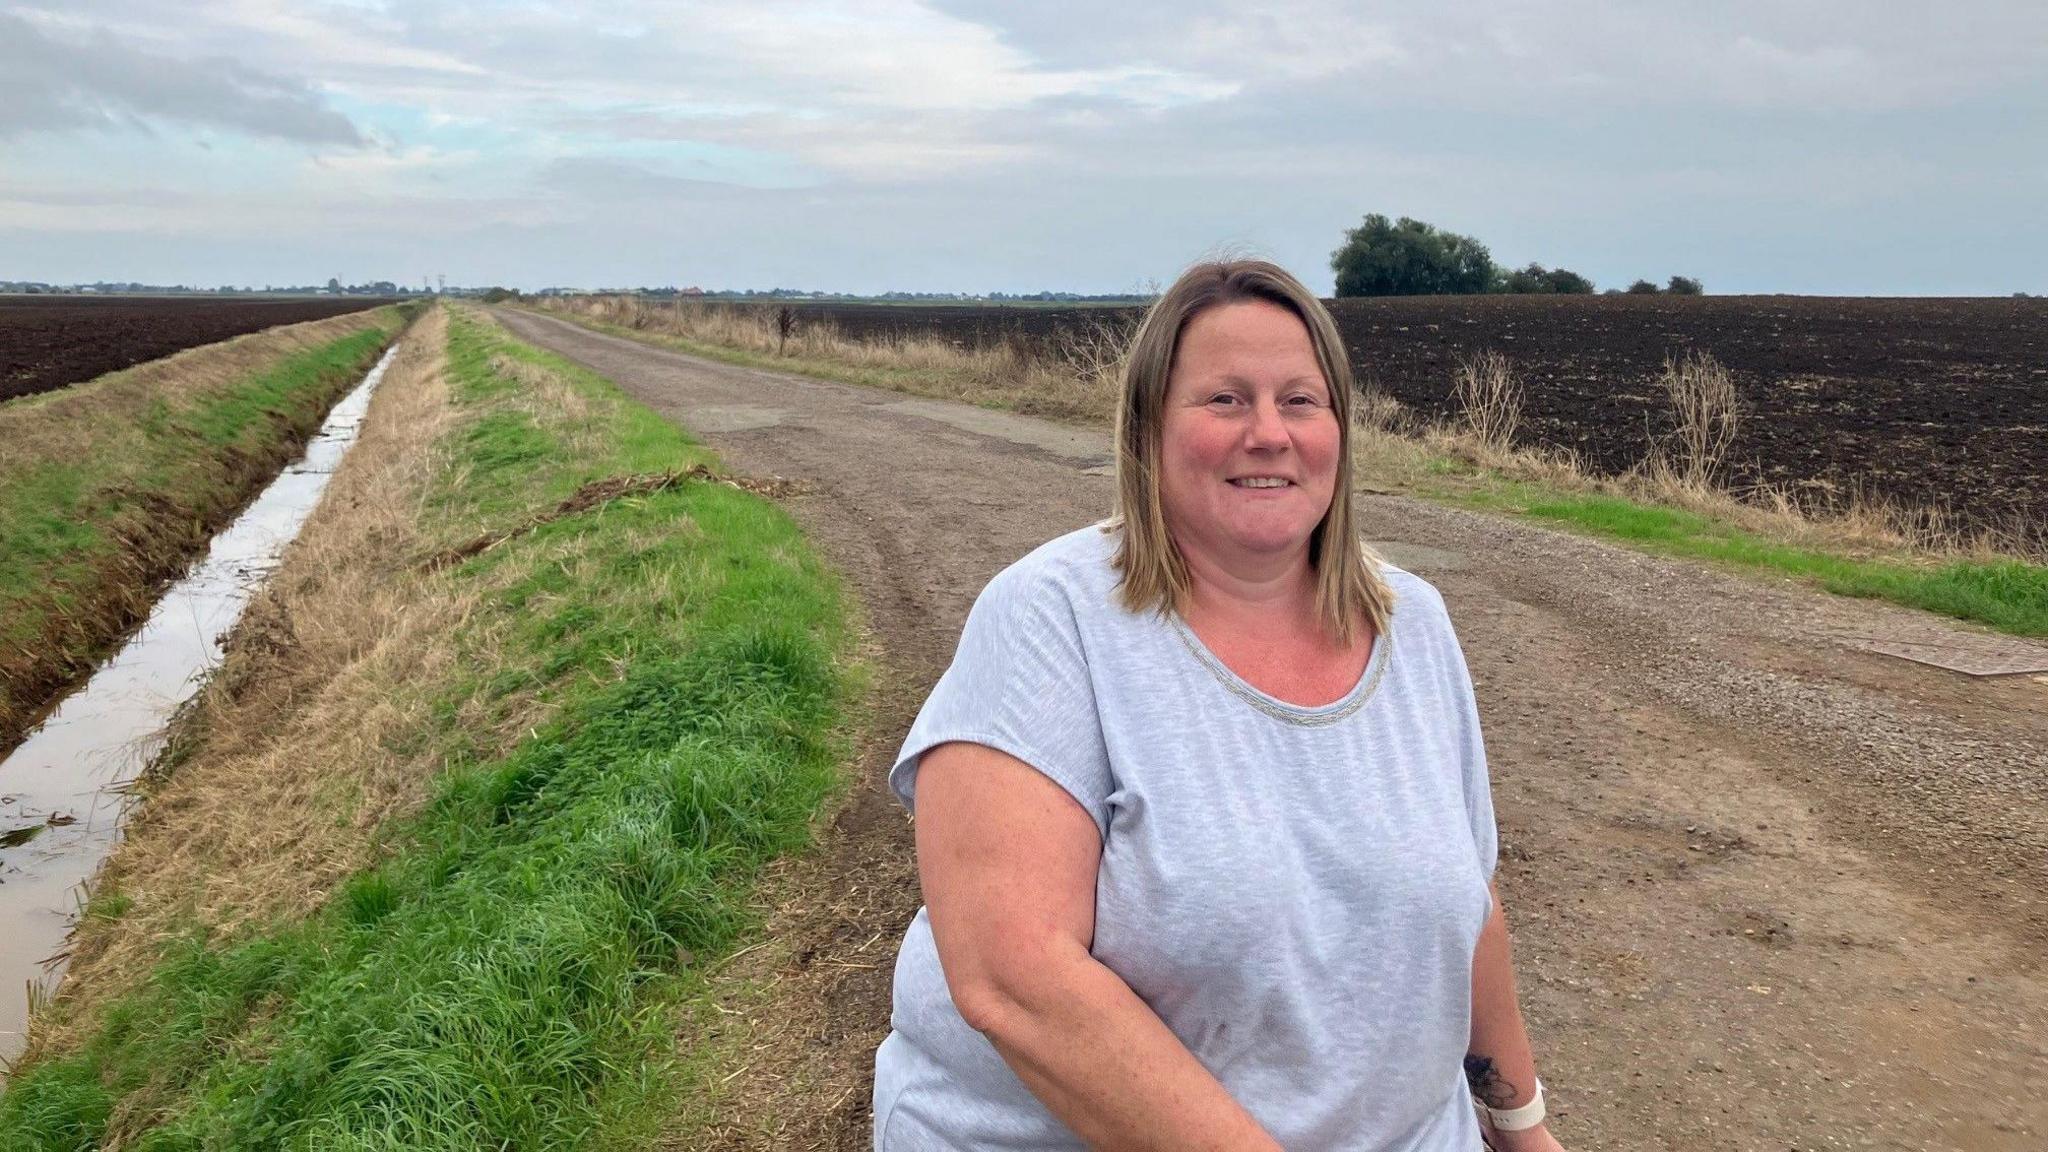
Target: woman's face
1248, 438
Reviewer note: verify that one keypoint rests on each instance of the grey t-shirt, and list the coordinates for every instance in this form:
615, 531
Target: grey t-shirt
1295, 891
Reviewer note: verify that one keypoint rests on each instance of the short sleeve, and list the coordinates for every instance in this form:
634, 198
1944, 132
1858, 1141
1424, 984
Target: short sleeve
1019, 683
1472, 764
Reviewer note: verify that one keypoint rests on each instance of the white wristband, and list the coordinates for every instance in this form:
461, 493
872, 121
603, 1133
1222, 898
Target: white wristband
1514, 1119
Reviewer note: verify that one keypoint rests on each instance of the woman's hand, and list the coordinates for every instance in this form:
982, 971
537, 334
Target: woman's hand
1537, 1139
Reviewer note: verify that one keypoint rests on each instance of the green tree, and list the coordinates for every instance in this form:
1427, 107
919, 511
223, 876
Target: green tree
1685, 286
1409, 258
1538, 280
1569, 283
1643, 288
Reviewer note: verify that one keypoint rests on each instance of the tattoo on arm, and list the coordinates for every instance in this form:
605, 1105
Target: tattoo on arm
1492, 1089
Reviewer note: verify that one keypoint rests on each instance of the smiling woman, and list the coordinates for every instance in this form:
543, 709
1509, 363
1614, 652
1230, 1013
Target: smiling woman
1203, 819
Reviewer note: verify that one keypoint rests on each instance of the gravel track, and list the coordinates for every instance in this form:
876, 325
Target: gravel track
1768, 890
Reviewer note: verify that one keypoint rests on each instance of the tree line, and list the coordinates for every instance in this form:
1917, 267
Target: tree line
1407, 257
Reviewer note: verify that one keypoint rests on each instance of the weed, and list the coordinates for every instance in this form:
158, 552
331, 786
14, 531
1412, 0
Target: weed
1489, 399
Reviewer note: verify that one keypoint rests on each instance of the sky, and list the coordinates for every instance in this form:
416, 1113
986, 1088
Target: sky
1853, 147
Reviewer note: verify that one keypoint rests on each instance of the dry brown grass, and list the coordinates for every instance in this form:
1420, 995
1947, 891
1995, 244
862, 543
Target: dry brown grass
1489, 399
1702, 397
291, 759
1393, 450
1071, 377
101, 426
86, 420
1074, 377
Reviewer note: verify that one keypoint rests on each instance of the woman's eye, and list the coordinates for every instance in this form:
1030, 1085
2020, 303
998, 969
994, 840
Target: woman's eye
1223, 398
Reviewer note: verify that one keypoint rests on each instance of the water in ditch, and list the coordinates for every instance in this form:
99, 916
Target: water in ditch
63, 790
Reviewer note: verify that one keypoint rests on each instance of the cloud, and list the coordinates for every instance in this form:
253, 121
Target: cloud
1061, 143
57, 82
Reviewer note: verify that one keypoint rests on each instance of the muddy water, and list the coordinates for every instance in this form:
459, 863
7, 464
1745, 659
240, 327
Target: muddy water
62, 792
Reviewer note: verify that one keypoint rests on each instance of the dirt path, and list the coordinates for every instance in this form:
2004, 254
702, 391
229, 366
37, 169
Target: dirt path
1768, 891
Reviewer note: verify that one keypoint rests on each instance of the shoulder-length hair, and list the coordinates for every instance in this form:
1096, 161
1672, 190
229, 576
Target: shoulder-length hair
1154, 575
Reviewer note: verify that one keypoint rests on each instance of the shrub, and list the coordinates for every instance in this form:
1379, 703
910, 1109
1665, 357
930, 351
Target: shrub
785, 326
1537, 280
1409, 258
1566, 282
1685, 286
1643, 288
1702, 396
1489, 399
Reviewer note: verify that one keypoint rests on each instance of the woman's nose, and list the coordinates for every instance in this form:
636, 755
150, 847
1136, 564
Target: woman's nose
1267, 429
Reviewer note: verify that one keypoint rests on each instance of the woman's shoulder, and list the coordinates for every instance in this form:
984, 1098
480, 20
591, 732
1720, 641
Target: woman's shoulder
1417, 603
1407, 585
1076, 567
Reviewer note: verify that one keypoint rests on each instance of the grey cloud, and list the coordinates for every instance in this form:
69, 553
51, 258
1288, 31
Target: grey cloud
599, 180
53, 83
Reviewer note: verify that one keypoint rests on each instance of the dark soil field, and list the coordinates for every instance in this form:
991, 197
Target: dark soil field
1938, 402
49, 341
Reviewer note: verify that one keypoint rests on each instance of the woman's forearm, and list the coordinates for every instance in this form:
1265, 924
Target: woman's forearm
1102, 1061
1498, 1062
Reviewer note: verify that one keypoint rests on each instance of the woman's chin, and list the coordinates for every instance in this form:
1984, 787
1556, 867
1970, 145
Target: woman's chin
1265, 540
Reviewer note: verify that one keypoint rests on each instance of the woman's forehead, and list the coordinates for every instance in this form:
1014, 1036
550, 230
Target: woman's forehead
1271, 347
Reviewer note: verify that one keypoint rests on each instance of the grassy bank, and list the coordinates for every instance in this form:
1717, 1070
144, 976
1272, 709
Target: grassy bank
110, 486
544, 722
1073, 380
1861, 549
2006, 594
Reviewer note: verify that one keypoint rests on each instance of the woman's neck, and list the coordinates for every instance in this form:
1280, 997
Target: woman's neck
1250, 588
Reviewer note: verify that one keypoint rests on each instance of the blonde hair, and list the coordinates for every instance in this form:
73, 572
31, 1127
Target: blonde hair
1349, 587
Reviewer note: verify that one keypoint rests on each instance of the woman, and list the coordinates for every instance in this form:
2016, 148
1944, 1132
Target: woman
1203, 821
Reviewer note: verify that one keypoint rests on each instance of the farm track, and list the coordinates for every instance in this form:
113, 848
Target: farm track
51, 341
1768, 891
1922, 401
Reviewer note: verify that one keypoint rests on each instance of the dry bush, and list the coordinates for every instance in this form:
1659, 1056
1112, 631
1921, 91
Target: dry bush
1489, 399
1072, 375
1703, 400
1094, 350
1374, 407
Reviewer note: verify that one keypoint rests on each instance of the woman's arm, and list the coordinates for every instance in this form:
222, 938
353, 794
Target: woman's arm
1008, 862
1498, 1063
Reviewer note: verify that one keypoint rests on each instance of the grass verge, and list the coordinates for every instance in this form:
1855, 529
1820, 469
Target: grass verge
1864, 550
1072, 379
2006, 594
616, 714
112, 485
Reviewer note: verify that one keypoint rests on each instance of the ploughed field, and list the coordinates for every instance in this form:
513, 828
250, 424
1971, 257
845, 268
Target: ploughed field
49, 341
1921, 401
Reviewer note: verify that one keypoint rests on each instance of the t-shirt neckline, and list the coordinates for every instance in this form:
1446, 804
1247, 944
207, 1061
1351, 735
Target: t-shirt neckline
1282, 710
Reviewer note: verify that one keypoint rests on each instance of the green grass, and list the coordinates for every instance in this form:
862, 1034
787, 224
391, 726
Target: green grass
142, 491
2008, 595
509, 976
